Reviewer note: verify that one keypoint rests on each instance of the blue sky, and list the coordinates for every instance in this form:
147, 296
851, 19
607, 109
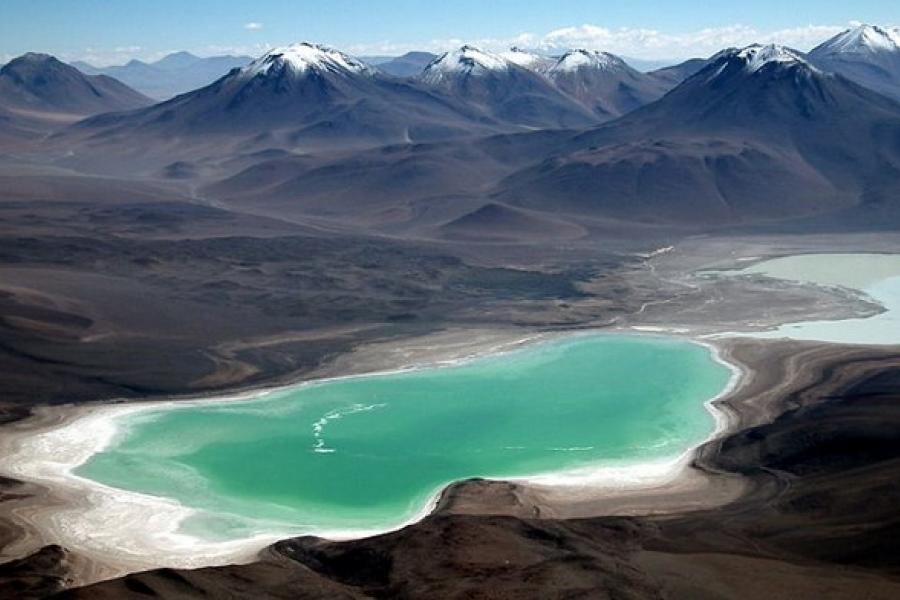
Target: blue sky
113, 30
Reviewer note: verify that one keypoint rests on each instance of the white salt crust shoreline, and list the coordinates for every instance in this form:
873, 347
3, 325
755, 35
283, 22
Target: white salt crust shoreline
130, 531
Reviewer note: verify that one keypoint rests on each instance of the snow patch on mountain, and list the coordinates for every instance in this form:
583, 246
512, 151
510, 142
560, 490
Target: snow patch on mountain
586, 59
756, 56
524, 58
863, 39
304, 57
464, 61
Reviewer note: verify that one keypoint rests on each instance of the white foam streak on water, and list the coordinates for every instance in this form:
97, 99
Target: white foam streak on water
338, 413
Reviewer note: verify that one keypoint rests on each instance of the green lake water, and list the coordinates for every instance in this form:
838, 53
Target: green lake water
369, 452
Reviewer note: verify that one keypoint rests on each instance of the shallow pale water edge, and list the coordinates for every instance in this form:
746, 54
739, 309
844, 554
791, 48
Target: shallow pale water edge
877, 276
368, 452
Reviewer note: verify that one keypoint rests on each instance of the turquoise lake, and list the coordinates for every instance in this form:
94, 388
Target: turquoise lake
369, 452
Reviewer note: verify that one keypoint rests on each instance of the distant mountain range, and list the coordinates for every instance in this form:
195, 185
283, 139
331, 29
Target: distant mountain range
600, 82
757, 134
311, 95
39, 93
408, 65
518, 140
182, 72
605, 83
174, 74
675, 74
504, 90
39, 82
304, 96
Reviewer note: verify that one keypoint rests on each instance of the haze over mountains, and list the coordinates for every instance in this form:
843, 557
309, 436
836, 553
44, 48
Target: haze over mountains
408, 65
522, 141
758, 135
310, 95
675, 74
304, 96
39, 82
39, 93
173, 74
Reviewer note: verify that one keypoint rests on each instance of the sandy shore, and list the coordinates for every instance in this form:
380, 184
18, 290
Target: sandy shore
100, 522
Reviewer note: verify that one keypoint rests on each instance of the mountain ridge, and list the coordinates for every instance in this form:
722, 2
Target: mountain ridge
174, 74
503, 89
37, 81
604, 82
867, 54
753, 125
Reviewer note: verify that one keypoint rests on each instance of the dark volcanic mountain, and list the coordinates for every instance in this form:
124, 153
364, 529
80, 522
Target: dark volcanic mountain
39, 83
867, 54
304, 96
177, 73
758, 134
604, 82
408, 65
504, 90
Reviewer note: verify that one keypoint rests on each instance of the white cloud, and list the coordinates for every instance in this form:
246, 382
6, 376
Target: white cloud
648, 44
441, 45
628, 41
253, 26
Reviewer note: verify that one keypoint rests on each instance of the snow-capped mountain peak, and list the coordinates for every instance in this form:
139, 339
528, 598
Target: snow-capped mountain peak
756, 56
464, 61
574, 60
752, 59
863, 39
866, 54
304, 57
524, 58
